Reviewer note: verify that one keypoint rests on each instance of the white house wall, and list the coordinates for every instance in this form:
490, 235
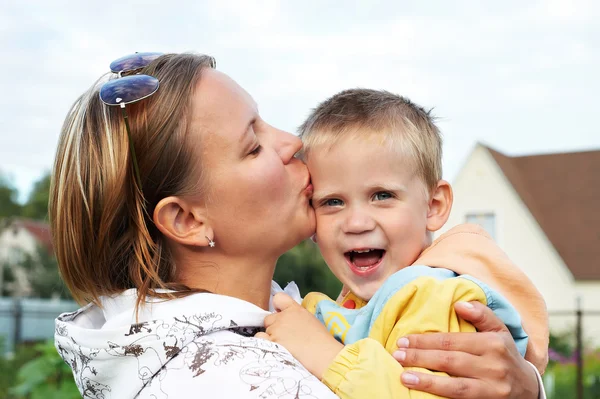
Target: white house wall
22, 240
14, 243
590, 296
481, 187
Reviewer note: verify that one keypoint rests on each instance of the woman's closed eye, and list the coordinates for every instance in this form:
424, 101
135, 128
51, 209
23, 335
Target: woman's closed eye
256, 150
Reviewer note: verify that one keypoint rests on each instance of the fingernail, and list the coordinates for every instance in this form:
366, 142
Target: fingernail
403, 343
466, 305
399, 355
410, 379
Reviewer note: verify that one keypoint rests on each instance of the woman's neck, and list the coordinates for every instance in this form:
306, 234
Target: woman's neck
240, 278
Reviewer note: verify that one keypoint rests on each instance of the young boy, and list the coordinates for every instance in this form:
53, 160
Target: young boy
375, 162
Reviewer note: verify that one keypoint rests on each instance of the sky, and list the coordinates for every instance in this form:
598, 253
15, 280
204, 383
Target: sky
519, 76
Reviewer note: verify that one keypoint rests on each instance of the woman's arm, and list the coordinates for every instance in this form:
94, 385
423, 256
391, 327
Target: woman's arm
486, 364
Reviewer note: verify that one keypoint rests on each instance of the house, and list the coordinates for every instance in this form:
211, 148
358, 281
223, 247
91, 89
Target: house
19, 238
544, 212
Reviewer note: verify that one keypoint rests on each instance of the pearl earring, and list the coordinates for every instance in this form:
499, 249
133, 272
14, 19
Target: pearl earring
211, 243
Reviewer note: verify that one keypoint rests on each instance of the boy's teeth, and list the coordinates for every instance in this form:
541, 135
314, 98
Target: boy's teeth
365, 258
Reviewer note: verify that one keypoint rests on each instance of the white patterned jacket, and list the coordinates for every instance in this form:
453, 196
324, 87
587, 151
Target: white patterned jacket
201, 346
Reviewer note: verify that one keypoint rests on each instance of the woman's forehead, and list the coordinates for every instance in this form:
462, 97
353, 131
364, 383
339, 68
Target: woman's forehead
216, 90
221, 105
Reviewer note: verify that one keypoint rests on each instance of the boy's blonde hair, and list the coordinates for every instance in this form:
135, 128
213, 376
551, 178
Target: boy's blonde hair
393, 119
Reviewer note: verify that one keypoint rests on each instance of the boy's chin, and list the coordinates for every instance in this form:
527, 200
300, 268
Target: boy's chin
364, 293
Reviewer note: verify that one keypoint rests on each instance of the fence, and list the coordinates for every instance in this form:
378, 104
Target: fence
29, 319
586, 347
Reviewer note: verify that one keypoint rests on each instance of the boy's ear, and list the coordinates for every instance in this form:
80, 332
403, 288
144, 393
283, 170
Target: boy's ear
183, 222
440, 205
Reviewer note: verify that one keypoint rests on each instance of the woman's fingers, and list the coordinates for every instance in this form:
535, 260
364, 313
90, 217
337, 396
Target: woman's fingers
447, 387
484, 364
461, 342
473, 343
457, 364
482, 317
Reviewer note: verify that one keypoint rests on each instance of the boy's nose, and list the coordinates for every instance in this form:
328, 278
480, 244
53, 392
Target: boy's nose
358, 222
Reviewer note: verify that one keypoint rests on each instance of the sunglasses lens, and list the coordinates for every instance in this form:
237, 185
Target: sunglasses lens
133, 61
128, 89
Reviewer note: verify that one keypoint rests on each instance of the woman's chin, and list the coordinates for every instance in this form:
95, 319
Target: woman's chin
309, 227
310, 221
302, 228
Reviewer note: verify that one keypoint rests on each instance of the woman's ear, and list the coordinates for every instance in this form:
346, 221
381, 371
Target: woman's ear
183, 223
440, 205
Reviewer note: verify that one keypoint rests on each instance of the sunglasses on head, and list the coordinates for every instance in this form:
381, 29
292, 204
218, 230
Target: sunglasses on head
129, 89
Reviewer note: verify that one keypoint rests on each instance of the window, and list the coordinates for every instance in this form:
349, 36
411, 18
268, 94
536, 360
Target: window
485, 220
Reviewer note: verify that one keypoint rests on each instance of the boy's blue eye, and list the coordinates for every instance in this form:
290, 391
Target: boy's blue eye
382, 195
334, 202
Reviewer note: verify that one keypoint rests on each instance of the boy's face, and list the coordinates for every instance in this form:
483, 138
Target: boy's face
371, 212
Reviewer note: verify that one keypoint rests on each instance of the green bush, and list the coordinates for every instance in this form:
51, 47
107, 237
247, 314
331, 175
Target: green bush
10, 366
304, 265
39, 372
560, 378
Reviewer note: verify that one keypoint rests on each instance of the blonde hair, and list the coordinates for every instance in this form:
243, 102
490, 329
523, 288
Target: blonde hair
395, 120
101, 222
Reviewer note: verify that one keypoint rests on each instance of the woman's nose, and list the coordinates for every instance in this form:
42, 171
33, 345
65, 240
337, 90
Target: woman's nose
287, 146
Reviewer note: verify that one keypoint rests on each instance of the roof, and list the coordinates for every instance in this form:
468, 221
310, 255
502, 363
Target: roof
562, 192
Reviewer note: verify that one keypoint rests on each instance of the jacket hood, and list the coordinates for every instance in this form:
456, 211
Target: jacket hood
113, 356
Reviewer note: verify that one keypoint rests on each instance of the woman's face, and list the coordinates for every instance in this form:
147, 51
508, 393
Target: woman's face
258, 192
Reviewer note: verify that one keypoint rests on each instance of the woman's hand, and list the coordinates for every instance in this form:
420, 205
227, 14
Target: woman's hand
301, 334
485, 364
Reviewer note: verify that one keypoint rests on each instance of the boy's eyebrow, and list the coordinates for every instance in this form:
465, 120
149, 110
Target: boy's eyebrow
387, 187
398, 188
318, 196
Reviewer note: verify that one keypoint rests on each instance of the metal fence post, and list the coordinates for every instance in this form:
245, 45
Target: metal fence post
579, 350
18, 316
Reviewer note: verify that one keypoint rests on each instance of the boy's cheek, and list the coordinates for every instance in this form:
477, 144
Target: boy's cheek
324, 225
323, 238
319, 218
325, 232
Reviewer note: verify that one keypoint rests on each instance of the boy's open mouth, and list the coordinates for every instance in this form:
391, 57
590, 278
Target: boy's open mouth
364, 261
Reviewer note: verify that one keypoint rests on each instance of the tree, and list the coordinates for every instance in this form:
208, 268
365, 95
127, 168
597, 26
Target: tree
43, 276
304, 265
9, 205
6, 280
36, 206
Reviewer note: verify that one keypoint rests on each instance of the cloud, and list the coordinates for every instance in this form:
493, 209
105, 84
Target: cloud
516, 75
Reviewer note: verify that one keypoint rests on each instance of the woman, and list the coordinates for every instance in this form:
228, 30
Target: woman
169, 212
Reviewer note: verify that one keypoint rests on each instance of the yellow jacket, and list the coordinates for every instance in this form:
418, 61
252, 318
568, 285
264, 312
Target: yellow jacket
419, 301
